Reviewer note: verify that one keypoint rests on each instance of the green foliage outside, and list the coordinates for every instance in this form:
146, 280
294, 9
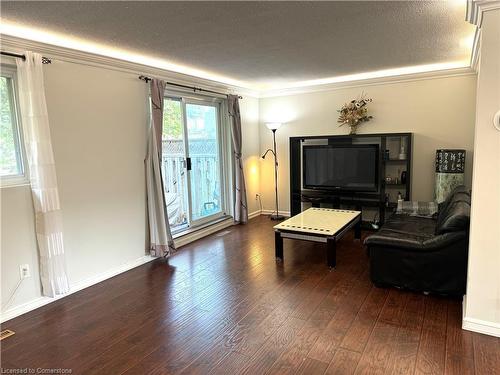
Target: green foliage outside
173, 123
8, 160
172, 119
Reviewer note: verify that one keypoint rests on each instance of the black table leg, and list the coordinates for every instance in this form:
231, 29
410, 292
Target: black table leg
331, 252
278, 246
357, 230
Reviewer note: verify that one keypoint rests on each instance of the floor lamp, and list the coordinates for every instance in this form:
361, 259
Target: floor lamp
273, 126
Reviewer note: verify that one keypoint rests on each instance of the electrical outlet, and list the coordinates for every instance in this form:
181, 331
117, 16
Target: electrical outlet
24, 270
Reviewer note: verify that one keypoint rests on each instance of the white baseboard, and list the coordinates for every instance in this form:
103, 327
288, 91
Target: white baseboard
481, 326
203, 232
254, 214
478, 325
74, 287
270, 212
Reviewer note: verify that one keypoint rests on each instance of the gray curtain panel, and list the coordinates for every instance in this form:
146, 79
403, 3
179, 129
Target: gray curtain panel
240, 192
160, 237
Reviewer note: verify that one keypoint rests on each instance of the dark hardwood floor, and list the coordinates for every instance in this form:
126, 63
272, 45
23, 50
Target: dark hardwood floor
222, 305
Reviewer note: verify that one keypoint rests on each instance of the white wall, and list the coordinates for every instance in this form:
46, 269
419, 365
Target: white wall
440, 113
249, 108
98, 123
18, 244
482, 308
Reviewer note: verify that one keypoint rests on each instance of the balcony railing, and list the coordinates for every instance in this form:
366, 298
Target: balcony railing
174, 183
205, 189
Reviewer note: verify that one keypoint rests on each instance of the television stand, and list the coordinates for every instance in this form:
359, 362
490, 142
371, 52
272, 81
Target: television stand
338, 200
391, 163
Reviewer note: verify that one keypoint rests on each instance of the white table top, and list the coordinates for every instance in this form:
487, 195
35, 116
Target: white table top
324, 221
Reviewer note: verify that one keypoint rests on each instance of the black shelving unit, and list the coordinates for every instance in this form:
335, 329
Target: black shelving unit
391, 167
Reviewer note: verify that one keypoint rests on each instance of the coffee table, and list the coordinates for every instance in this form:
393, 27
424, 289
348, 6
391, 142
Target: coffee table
324, 225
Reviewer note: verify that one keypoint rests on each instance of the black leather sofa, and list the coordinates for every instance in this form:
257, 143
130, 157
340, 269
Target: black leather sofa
424, 254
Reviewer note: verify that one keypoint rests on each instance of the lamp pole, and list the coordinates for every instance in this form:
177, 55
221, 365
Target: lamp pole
277, 216
273, 126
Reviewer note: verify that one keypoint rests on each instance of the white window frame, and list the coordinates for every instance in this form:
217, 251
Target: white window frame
22, 178
225, 152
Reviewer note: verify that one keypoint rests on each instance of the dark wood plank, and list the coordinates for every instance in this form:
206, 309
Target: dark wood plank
432, 348
486, 354
265, 357
459, 346
378, 351
360, 330
292, 358
343, 363
223, 305
331, 337
405, 345
231, 364
312, 367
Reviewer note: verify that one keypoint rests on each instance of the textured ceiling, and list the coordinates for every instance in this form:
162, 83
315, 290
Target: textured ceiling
264, 43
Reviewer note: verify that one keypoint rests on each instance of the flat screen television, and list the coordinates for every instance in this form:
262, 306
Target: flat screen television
337, 167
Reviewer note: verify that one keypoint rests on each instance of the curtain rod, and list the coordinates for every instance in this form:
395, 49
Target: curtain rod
45, 60
147, 79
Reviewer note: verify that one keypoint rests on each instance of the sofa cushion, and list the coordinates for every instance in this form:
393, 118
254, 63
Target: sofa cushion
455, 218
459, 193
411, 225
387, 238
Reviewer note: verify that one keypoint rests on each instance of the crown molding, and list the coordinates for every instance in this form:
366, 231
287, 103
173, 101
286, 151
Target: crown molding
456, 72
20, 45
476, 50
476, 8
474, 15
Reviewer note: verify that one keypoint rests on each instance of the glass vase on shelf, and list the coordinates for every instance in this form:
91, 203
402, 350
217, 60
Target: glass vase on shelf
402, 149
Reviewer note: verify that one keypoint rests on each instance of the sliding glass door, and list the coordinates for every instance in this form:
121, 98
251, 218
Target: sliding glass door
204, 153
192, 161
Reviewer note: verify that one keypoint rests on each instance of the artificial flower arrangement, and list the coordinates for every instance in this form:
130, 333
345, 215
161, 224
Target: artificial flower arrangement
354, 113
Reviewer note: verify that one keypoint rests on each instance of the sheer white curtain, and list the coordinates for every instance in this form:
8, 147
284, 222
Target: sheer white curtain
42, 174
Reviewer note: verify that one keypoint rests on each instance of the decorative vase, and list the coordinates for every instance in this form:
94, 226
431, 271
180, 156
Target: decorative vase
402, 149
353, 128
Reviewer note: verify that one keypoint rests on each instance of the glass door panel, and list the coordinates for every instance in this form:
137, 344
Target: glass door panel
174, 165
202, 129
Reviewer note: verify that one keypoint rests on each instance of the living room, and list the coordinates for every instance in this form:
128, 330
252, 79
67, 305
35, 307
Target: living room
188, 291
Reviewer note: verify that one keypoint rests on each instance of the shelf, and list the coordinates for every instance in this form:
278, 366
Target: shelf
374, 200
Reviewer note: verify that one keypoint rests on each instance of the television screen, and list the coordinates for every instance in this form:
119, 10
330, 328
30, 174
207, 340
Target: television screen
353, 167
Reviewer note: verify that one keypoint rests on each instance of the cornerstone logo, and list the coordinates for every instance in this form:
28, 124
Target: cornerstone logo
38, 370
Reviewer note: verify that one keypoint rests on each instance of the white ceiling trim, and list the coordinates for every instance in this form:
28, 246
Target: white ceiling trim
16, 44
474, 15
445, 73
476, 8
19, 45
476, 49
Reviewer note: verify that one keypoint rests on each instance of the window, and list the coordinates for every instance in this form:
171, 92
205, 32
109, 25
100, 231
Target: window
11, 155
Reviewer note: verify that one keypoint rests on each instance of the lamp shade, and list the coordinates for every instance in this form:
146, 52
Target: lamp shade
273, 125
